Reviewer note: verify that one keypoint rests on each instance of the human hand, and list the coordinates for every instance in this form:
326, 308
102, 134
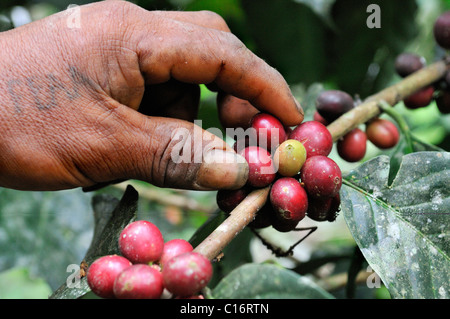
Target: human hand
100, 102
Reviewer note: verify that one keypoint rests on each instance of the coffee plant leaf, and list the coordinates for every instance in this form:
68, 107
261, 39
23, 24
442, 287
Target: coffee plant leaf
402, 227
267, 281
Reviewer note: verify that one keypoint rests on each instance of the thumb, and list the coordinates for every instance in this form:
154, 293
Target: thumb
174, 153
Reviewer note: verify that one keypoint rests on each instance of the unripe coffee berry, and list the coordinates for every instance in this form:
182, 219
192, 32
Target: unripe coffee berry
321, 176
187, 274
139, 282
315, 137
103, 272
141, 242
289, 157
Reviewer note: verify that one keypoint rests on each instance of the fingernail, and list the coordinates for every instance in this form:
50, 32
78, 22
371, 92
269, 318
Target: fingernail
222, 170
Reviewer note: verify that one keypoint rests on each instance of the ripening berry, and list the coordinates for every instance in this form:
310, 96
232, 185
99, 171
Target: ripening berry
261, 169
139, 282
315, 137
141, 242
352, 146
269, 130
102, 273
289, 157
187, 274
288, 198
321, 176
382, 133
174, 248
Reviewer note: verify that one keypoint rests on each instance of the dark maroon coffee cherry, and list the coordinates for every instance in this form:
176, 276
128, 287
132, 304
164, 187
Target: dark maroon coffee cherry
174, 248
263, 217
441, 30
103, 272
332, 104
443, 102
352, 146
269, 130
288, 198
315, 137
324, 209
382, 133
283, 225
261, 169
227, 199
419, 99
141, 242
139, 282
408, 63
187, 274
321, 176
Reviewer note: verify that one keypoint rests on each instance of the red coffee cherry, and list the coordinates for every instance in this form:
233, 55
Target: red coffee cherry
261, 169
174, 248
321, 176
187, 274
352, 146
408, 63
419, 99
269, 130
441, 30
102, 273
324, 209
315, 137
382, 133
139, 282
141, 242
332, 104
288, 198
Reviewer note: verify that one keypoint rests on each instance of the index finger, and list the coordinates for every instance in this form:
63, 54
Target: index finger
191, 53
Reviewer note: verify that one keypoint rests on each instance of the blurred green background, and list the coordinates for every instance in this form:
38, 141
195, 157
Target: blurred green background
316, 45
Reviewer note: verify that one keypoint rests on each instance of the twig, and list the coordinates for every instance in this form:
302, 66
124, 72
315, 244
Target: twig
240, 217
391, 95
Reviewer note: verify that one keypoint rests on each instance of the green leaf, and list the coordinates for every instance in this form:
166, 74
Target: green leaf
17, 283
290, 36
402, 228
260, 281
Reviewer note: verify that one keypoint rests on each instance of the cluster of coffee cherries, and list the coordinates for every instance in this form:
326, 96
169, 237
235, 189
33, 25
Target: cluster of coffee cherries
383, 133
408, 63
304, 180
147, 266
